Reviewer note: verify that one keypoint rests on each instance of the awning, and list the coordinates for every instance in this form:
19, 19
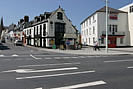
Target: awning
70, 36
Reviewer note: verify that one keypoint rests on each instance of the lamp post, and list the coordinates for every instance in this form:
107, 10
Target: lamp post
106, 26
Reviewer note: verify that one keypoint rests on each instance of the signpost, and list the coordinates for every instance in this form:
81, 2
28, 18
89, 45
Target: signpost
106, 26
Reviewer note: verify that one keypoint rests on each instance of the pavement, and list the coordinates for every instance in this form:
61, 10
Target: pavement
89, 51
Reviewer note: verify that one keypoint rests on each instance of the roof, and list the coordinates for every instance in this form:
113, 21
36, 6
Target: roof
111, 10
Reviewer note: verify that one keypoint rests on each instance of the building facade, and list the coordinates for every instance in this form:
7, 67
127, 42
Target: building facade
50, 28
93, 28
129, 10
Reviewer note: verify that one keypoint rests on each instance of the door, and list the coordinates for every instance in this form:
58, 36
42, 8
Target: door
112, 42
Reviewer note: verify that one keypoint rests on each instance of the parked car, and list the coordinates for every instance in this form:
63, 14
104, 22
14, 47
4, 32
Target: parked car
18, 43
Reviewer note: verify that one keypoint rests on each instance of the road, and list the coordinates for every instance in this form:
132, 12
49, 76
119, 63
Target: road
30, 68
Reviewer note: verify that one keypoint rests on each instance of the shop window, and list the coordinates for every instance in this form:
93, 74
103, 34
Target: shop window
121, 40
102, 40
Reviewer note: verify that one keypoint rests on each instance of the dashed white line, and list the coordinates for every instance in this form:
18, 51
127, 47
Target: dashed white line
1, 55
39, 88
66, 57
55, 75
34, 57
131, 67
14, 55
95, 83
118, 61
57, 58
74, 57
47, 70
76, 63
82, 57
48, 58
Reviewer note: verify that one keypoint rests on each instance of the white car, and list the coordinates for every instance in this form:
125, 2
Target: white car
18, 43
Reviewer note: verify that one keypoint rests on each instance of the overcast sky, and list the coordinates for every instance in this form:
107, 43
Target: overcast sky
76, 10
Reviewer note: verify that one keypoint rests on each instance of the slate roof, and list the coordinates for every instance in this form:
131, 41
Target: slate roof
110, 10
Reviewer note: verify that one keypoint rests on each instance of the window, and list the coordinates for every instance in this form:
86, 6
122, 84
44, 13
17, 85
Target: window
89, 40
37, 30
34, 31
86, 31
131, 9
102, 40
93, 39
90, 31
90, 21
40, 29
44, 29
51, 25
87, 23
109, 28
113, 28
93, 30
59, 16
121, 40
30, 31
93, 17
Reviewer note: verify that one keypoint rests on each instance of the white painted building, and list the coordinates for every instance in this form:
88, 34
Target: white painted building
93, 28
50, 28
129, 10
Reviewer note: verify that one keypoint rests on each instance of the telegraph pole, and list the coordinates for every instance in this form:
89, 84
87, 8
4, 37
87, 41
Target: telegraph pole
106, 26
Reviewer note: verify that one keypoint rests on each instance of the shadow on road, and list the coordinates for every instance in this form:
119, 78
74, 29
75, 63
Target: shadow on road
3, 47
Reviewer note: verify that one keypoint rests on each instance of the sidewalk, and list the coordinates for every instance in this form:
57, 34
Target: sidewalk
91, 52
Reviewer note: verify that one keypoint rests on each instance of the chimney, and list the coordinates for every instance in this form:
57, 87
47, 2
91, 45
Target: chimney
26, 18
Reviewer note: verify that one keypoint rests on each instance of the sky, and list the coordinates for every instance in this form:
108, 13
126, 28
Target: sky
76, 10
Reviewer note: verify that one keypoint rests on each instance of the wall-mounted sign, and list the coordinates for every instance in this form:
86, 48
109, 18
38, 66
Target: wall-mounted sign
113, 16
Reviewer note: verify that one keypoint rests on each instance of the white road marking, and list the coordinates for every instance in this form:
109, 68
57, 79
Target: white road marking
82, 85
55, 75
48, 70
34, 57
38, 88
53, 55
118, 61
38, 71
48, 58
17, 70
131, 67
57, 58
66, 57
1, 55
82, 57
76, 63
74, 57
14, 55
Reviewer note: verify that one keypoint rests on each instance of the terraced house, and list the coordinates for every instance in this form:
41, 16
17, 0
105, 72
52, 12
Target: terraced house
50, 28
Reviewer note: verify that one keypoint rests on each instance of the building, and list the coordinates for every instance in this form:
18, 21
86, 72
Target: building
129, 10
50, 28
1, 28
93, 28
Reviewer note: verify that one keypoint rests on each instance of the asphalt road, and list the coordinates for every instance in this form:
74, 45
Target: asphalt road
29, 68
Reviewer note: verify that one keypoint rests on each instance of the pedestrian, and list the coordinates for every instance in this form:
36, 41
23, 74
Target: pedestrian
96, 47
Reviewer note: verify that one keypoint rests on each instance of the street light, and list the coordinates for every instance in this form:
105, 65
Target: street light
106, 26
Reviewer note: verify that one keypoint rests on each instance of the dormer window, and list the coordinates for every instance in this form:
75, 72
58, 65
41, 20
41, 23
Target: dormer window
131, 9
59, 16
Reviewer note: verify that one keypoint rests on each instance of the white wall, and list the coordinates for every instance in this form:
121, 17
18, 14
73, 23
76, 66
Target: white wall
100, 26
87, 30
130, 21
